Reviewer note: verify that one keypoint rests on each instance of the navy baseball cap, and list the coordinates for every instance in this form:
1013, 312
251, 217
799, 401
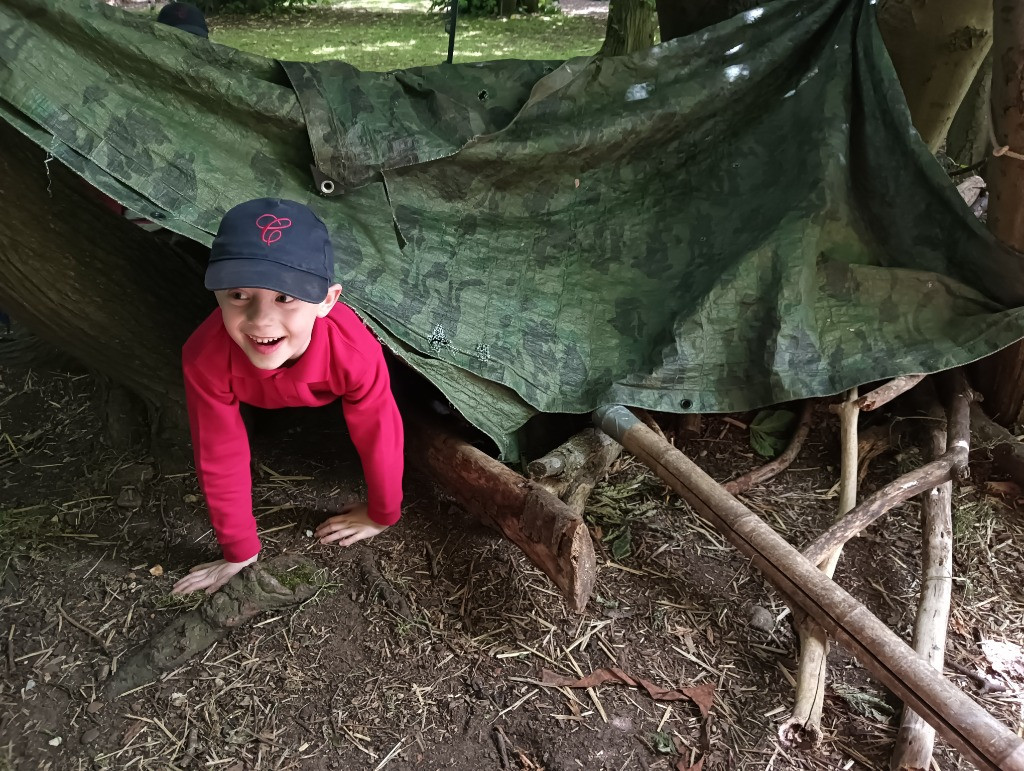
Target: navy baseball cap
185, 17
272, 243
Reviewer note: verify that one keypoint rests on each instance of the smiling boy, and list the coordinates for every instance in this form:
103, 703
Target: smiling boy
280, 338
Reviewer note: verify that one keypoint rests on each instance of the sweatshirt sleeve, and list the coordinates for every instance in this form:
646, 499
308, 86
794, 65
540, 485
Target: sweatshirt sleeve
375, 426
221, 448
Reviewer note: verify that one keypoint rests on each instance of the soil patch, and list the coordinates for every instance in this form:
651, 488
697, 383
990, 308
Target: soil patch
425, 647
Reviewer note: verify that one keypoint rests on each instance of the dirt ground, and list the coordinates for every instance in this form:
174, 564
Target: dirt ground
426, 647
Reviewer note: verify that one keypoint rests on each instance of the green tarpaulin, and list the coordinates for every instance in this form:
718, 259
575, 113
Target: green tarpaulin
729, 220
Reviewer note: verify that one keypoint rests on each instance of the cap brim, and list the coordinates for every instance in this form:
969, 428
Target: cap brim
198, 31
262, 274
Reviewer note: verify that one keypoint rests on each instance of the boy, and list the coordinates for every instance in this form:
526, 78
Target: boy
280, 338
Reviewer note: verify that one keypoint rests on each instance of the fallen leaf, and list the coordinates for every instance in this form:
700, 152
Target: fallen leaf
156, 570
55, 741
702, 695
681, 765
1006, 658
1008, 489
133, 730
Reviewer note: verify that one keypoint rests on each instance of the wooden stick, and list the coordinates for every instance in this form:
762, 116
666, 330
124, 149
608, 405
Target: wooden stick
886, 393
548, 531
916, 739
778, 465
803, 728
952, 465
958, 719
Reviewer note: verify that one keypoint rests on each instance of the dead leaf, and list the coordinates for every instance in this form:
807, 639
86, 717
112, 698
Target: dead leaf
133, 730
681, 765
1006, 658
1008, 489
702, 695
156, 570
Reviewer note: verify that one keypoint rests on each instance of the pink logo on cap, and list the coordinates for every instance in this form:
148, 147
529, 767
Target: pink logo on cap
271, 227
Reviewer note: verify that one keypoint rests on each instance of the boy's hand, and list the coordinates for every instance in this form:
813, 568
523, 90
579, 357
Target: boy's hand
210, 576
351, 525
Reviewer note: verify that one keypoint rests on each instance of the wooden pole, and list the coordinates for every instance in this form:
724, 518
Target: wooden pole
548, 531
916, 739
965, 725
803, 728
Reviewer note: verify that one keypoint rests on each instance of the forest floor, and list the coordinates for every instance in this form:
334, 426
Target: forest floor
450, 675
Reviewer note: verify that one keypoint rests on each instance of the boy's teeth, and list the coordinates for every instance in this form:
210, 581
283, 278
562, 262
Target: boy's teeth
264, 340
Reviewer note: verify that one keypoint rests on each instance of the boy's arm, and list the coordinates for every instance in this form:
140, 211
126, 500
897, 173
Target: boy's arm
376, 430
221, 449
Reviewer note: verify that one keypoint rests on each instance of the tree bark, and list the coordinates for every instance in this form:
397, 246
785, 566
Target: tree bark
1001, 377
119, 300
678, 18
631, 27
968, 141
548, 531
936, 47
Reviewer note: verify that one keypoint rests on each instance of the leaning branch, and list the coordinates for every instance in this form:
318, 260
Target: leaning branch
778, 465
886, 393
951, 466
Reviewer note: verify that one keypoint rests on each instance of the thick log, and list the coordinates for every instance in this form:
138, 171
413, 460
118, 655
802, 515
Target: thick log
548, 531
257, 589
916, 739
776, 466
803, 728
959, 720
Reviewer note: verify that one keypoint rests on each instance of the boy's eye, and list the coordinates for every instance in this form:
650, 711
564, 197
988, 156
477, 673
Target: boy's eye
283, 298
237, 295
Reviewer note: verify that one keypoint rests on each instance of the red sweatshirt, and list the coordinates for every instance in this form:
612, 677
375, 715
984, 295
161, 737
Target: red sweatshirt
343, 360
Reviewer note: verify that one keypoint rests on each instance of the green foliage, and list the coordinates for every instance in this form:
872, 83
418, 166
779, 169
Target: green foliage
493, 7
250, 6
378, 41
769, 432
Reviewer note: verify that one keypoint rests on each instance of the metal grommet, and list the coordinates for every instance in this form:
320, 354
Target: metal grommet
327, 187
685, 404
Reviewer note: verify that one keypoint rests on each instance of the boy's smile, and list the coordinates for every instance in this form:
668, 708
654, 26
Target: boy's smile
270, 327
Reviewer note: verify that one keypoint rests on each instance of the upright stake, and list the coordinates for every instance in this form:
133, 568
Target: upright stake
982, 739
804, 726
916, 738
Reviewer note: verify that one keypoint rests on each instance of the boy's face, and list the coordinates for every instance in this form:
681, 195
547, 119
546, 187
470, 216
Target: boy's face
272, 328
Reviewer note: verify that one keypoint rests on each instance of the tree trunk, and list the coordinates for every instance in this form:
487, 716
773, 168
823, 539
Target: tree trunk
112, 295
937, 47
968, 141
678, 18
631, 27
1001, 377
507, 7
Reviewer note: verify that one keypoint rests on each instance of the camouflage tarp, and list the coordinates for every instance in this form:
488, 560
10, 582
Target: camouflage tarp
734, 219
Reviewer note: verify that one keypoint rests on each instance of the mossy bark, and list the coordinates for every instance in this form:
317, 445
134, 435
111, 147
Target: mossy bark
118, 299
631, 27
936, 47
1001, 377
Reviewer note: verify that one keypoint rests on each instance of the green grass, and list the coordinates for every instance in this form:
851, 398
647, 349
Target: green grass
382, 35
